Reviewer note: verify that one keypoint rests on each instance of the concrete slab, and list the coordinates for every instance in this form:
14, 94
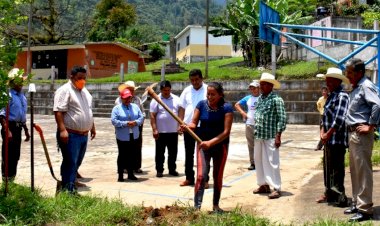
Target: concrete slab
302, 179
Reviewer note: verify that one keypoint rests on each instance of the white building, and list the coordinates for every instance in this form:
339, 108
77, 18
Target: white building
191, 45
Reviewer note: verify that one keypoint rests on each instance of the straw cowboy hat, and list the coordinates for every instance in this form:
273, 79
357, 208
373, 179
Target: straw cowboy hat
333, 72
12, 74
127, 84
266, 77
15, 76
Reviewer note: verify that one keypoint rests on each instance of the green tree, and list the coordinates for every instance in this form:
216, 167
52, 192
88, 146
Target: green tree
111, 19
156, 51
242, 22
53, 21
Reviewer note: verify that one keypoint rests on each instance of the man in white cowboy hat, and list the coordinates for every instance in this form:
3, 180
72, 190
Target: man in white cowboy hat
270, 122
334, 137
130, 85
16, 122
249, 102
363, 117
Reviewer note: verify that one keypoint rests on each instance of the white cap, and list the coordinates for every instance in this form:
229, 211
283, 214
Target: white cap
254, 83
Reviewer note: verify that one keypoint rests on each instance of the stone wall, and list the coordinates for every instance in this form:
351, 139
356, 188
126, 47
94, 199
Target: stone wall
300, 98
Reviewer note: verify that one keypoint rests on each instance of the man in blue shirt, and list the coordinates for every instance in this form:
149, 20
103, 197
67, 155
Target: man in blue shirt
249, 102
363, 116
17, 122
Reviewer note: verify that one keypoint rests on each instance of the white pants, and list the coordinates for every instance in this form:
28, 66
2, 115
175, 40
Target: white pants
267, 160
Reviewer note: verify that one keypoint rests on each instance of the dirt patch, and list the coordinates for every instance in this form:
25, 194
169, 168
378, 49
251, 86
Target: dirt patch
168, 215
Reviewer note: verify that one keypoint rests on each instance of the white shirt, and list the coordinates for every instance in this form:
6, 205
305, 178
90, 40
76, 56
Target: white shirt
251, 106
77, 106
190, 98
164, 121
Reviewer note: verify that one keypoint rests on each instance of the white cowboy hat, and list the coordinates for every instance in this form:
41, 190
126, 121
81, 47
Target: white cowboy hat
266, 77
127, 84
334, 72
13, 73
254, 83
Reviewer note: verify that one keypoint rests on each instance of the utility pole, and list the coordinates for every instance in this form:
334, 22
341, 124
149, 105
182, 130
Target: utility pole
206, 57
32, 90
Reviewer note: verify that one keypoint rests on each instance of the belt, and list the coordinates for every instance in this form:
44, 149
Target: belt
352, 128
17, 124
83, 133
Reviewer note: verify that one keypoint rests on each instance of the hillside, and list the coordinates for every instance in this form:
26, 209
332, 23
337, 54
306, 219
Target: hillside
157, 17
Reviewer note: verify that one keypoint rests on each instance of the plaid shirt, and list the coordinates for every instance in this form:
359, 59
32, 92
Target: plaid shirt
334, 115
270, 116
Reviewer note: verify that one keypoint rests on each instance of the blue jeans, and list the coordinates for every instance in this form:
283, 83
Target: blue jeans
73, 154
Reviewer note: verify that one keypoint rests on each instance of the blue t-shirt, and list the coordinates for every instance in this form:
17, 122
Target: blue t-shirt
212, 121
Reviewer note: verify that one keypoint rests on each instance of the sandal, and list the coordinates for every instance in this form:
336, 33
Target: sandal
274, 195
262, 189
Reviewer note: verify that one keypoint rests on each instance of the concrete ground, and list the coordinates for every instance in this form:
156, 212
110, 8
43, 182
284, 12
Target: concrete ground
302, 179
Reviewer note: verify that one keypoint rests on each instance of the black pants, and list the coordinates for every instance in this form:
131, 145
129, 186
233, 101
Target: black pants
333, 171
14, 146
127, 155
139, 148
189, 156
169, 140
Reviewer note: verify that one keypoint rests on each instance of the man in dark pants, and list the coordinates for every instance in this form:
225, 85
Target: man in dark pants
363, 117
73, 115
165, 129
189, 99
17, 122
334, 136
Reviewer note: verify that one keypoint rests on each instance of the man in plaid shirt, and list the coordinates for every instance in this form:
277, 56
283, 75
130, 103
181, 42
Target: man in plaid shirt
270, 122
334, 137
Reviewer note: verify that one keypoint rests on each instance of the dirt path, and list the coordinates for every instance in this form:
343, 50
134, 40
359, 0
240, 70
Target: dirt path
301, 176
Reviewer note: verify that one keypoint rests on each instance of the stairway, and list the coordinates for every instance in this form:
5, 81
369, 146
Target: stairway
300, 98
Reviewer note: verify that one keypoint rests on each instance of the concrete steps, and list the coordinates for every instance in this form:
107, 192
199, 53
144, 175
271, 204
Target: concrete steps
300, 98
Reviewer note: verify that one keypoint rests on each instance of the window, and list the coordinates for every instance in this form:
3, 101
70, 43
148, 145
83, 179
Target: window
187, 40
178, 46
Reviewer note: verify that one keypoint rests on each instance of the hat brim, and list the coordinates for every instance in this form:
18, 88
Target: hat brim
343, 78
276, 84
124, 86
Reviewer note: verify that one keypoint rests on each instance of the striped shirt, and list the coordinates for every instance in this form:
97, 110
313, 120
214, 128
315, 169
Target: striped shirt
270, 116
334, 115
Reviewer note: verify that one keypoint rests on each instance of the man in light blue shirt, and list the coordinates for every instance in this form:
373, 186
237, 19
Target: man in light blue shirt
362, 118
249, 102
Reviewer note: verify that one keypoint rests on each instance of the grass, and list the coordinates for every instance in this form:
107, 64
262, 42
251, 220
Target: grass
218, 70
375, 155
23, 207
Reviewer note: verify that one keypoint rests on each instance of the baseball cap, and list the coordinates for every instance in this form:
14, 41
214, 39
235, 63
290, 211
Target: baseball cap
125, 93
254, 83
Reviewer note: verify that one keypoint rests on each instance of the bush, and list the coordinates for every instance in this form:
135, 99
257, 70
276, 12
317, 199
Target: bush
156, 52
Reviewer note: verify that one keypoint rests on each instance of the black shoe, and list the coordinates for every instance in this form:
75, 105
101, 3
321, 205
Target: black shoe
252, 167
159, 174
351, 210
174, 173
120, 180
132, 177
360, 217
138, 171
